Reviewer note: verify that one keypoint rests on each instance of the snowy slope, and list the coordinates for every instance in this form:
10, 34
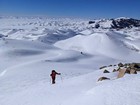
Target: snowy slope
30, 47
108, 44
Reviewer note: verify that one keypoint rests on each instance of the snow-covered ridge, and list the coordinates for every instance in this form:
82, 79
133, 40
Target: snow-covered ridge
118, 23
32, 28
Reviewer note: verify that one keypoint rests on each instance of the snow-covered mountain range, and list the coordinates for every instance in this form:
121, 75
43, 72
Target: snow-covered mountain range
30, 47
118, 23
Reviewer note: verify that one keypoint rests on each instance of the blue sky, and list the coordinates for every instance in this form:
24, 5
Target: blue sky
72, 8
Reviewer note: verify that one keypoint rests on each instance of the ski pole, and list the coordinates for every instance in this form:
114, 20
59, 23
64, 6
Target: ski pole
61, 78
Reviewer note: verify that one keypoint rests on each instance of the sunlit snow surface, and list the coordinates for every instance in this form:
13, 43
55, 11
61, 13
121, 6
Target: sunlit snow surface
31, 47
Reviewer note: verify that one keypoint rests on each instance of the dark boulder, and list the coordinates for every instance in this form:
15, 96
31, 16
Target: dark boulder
110, 66
91, 22
106, 71
103, 78
115, 70
102, 67
97, 25
120, 65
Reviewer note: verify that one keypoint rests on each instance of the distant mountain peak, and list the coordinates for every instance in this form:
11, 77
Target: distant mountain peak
122, 18
117, 23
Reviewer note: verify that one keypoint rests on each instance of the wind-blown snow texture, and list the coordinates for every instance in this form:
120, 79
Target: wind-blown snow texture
30, 47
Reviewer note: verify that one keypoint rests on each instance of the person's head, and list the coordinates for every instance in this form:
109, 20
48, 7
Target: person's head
53, 71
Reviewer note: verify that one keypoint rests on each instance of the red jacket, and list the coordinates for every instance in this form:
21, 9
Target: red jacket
53, 74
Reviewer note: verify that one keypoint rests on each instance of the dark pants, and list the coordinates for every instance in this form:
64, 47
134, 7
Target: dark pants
53, 80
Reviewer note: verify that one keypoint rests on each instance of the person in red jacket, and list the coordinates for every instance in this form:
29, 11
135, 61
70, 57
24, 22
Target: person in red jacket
53, 75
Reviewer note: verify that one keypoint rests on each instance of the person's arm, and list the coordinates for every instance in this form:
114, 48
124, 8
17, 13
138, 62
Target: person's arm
58, 73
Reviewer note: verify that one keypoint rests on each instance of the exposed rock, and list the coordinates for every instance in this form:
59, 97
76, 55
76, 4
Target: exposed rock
119, 23
128, 70
103, 67
91, 22
103, 78
97, 25
121, 73
110, 66
132, 71
126, 65
125, 23
106, 71
132, 65
118, 69
136, 66
120, 65
115, 70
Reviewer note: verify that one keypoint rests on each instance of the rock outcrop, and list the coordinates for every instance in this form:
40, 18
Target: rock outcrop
122, 69
103, 78
119, 23
106, 71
